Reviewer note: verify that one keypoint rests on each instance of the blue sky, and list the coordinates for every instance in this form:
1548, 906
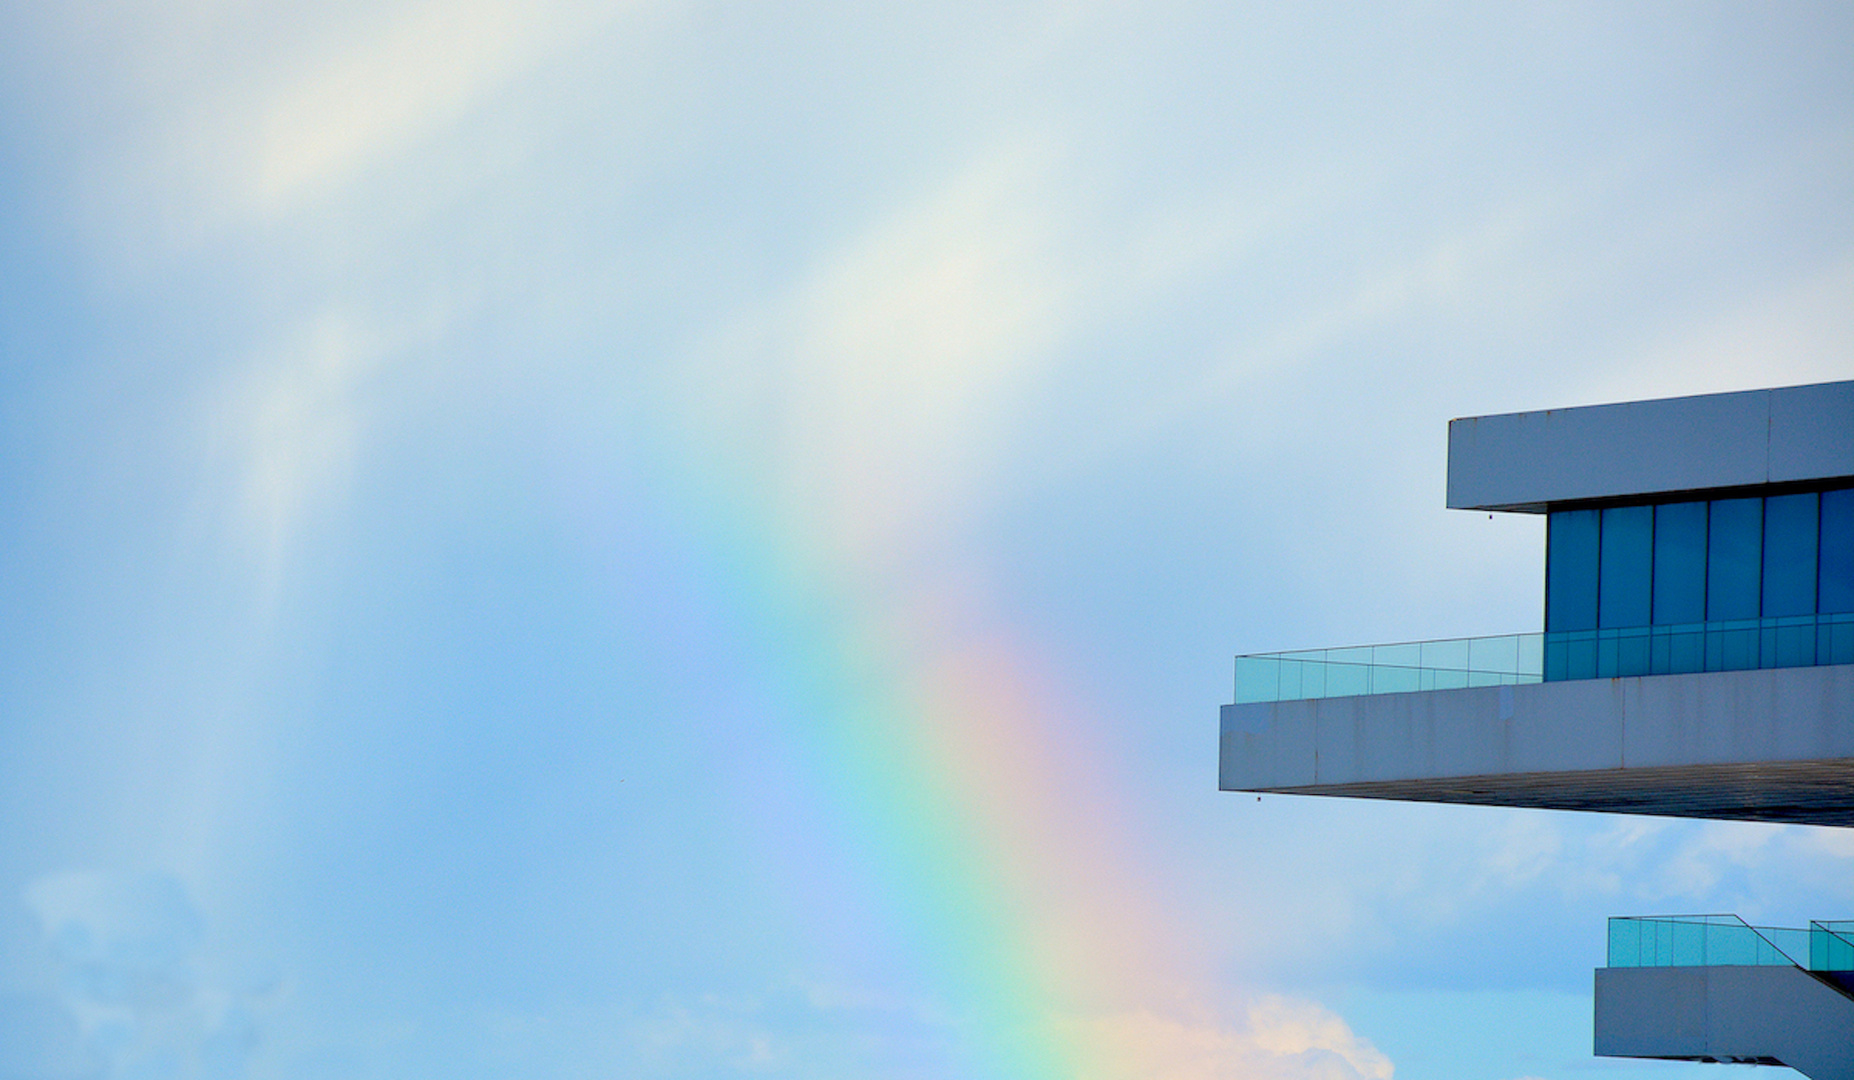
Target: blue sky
518, 522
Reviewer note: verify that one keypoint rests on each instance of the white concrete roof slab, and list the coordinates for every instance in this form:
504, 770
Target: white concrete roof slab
1531, 461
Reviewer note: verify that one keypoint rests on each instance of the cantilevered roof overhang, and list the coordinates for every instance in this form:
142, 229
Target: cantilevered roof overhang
1643, 451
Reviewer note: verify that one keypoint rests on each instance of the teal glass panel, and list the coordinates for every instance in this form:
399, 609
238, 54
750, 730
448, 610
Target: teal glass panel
1293, 676
1625, 566
1831, 946
1530, 649
1789, 554
1571, 570
1678, 649
1731, 945
1687, 944
1258, 678
1733, 646
1312, 676
1789, 642
1781, 945
1680, 563
1348, 680
1625, 942
1492, 654
1571, 655
1622, 652
1395, 680
1734, 559
1835, 585
1834, 639
1451, 655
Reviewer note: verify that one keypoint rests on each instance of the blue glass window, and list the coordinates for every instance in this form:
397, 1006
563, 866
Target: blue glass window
1625, 567
1571, 570
1734, 558
1789, 554
1836, 590
1680, 562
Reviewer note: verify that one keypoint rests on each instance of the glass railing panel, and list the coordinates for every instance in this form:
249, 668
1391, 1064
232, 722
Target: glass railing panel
1454, 655
1530, 649
1347, 680
1625, 943
1782, 945
1686, 945
1831, 946
1258, 678
1396, 680
1491, 654
1390, 669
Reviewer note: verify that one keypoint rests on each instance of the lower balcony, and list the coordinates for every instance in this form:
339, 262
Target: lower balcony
1712, 988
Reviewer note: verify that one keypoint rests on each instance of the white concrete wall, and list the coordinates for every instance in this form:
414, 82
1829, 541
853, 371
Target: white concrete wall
1726, 1014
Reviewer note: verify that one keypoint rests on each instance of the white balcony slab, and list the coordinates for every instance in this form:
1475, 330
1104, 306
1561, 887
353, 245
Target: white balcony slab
1765, 745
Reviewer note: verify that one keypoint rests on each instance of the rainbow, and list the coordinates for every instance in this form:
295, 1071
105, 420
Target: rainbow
965, 792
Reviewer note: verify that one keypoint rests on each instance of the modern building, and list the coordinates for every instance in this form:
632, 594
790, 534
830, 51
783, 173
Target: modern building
1697, 660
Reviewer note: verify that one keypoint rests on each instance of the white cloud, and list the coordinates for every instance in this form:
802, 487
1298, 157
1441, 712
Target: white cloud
292, 425
129, 950
217, 114
388, 89
1273, 1038
874, 393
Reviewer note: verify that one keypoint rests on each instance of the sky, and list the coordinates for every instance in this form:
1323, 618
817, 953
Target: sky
673, 539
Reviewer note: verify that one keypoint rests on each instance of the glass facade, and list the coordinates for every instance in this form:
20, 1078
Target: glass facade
1679, 563
1713, 585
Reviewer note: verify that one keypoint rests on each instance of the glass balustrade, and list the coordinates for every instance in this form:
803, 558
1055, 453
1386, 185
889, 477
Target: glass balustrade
1512, 659
1406, 667
1708, 940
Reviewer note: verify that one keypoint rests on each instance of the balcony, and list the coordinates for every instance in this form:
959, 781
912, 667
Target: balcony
1477, 721
1714, 988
